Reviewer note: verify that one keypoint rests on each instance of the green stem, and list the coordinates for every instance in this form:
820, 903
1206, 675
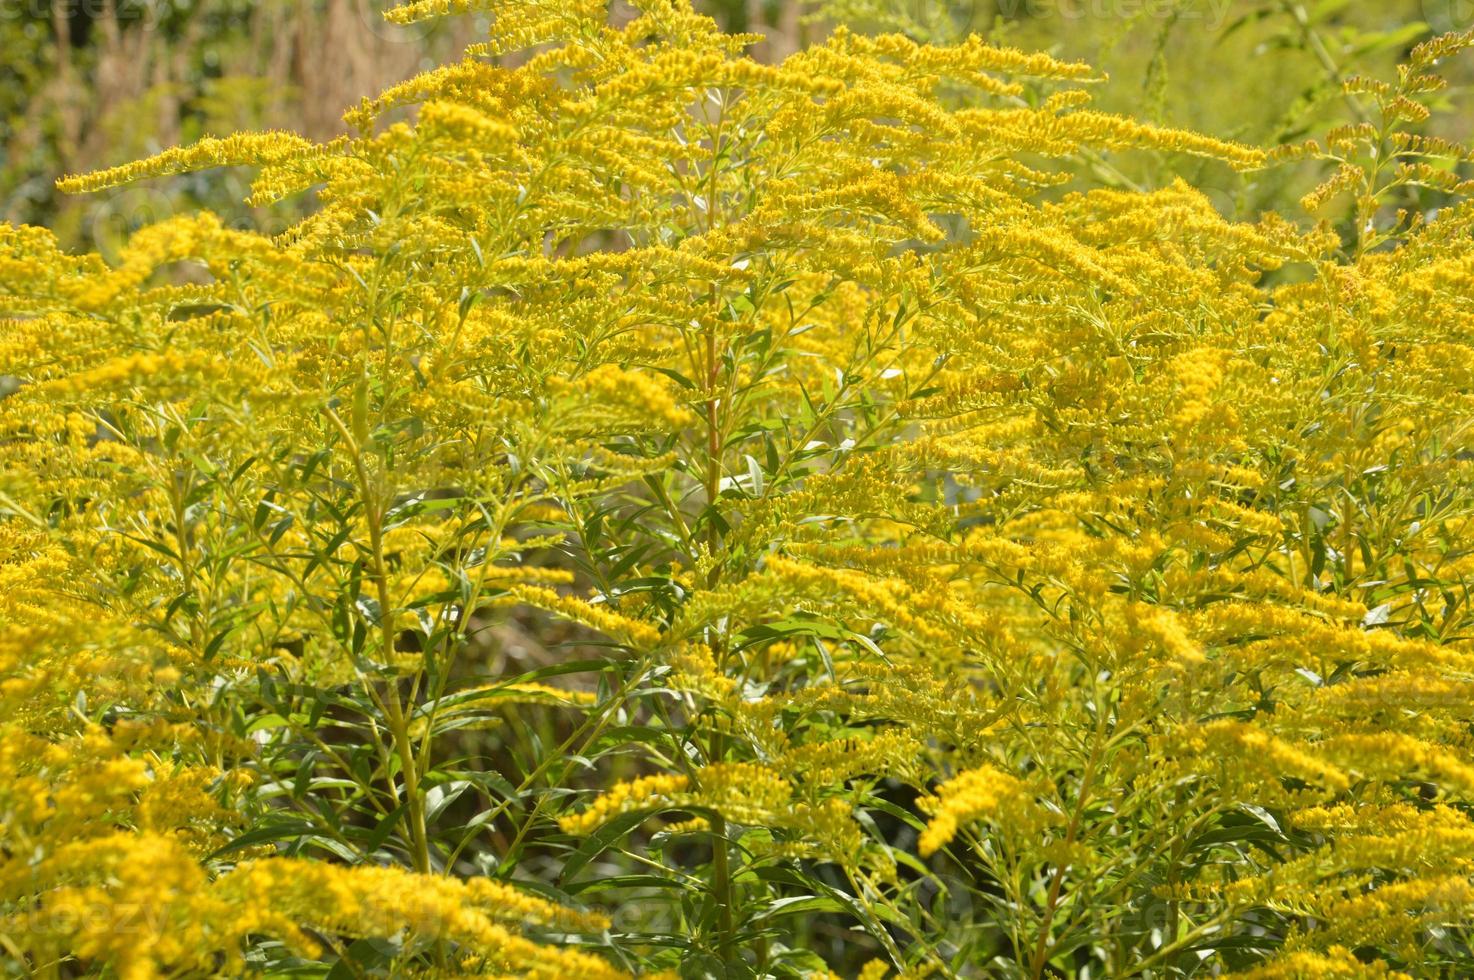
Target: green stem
398, 724
1056, 884
721, 870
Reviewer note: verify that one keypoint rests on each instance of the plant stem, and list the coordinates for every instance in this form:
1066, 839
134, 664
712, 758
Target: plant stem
721, 871
414, 801
1056, 883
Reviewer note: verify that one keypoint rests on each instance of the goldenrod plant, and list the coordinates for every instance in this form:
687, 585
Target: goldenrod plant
1262, 71
666, 514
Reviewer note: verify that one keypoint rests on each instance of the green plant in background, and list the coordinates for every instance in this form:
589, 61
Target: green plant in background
98, 82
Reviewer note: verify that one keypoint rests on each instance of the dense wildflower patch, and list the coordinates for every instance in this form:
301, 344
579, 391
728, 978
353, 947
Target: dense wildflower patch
1006, 574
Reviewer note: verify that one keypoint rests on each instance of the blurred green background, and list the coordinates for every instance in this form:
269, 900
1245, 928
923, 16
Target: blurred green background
92, 83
